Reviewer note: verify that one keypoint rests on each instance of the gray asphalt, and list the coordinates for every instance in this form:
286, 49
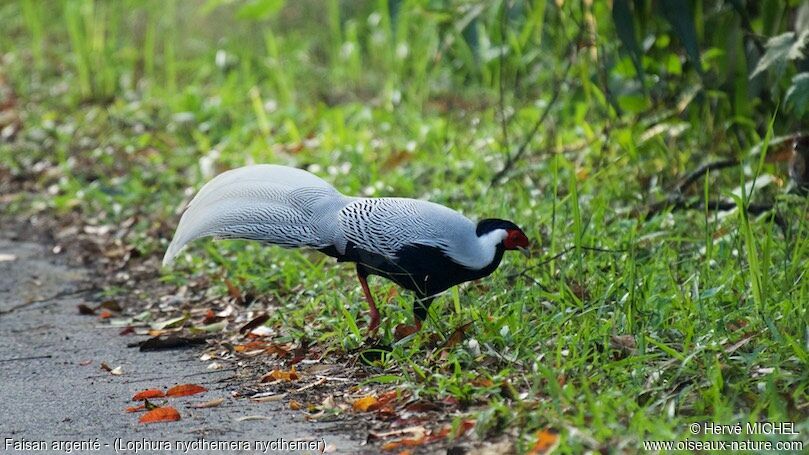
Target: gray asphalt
52, 388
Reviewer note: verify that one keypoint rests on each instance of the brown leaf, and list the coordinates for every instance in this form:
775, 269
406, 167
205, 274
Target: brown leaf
127, 330
547, 440
170, 342
208, 404
294, 405
234, 292
364, 404
85, 310
387, 397
185, 390
624, 343
111, 305
423, 406
457, 335
396, 159
148, 393
162, 414
404, 330
257, 321
117, 371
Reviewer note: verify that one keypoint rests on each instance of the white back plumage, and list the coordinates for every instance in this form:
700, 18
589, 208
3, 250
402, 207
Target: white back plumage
293, 208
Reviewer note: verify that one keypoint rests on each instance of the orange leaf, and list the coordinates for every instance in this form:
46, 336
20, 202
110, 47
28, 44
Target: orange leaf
149, 393
365, 403
164, 414
140, 407
294, 405
280, 375
185, 389
105, 314
210, 317
546, 441
480, 381
406, 442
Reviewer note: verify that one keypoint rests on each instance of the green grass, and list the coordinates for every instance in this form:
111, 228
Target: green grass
127, 108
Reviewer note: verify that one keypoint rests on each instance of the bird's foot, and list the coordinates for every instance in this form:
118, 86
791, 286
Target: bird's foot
404, 330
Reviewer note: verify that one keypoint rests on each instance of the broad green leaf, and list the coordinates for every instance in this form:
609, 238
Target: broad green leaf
798, 93
625, 28
781, 49
679, 15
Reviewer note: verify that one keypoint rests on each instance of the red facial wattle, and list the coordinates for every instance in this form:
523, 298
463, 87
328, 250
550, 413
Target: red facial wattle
516, 240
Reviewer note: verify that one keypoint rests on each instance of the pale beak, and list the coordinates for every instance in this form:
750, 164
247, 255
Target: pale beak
525, 251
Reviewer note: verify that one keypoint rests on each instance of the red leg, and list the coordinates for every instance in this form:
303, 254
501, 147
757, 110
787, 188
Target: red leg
371, 304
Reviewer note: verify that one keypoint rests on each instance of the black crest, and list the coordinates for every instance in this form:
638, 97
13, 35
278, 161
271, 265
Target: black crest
492, 224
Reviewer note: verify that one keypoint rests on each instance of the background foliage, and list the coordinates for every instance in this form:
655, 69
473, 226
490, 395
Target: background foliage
567, 116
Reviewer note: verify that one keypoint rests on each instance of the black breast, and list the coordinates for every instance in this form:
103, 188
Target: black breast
425, 270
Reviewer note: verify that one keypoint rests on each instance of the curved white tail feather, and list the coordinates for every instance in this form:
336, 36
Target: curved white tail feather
268, 203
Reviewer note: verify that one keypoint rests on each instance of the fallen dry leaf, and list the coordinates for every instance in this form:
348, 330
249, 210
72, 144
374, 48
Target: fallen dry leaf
148, 393
162, 414
105, 314
85, 310
248, 418
623, 342
138, 408
210, 317
387, 397
265, 398
294, 405
404, 442
116, 371
280, 375
234, 292
5, 257
257, 321
547, 440
457, 335
480, 381
185, 390
171, 342
423, 406
208, 404
365, 403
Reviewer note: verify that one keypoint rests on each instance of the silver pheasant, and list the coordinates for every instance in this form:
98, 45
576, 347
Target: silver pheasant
423, 247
